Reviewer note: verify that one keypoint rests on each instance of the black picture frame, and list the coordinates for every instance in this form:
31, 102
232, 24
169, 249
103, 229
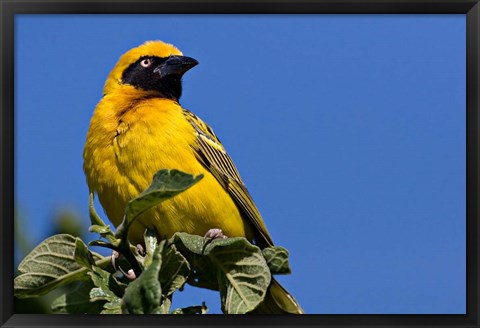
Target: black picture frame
10, 8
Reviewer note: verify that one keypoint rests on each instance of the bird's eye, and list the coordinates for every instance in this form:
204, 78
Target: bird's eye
146, 62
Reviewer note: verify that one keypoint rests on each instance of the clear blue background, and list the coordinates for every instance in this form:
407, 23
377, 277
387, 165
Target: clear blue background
349, 132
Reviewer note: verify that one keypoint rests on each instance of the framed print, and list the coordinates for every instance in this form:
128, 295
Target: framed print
341, 135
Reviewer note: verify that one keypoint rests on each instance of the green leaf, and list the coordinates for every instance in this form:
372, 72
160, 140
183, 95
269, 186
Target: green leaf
82, 254
189, 243
107, 289
48, 266
244, 274
77, 301
98, 294
103, 231
165, 185
107, 283
114, 307
239, 268
199, 309
113, 304
151, 243
277, 259
203, 274
165, 306
174, 270
144, 294
98, 225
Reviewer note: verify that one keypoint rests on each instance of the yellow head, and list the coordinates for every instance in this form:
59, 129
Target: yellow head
153, 66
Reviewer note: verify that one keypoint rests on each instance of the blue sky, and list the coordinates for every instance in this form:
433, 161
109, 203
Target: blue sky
348, 130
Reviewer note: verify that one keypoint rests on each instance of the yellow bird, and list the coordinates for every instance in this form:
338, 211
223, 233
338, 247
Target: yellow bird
138, 128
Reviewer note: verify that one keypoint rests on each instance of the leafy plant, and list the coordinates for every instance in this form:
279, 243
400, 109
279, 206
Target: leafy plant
239, 270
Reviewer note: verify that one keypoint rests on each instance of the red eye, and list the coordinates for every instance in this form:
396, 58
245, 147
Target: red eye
146, 62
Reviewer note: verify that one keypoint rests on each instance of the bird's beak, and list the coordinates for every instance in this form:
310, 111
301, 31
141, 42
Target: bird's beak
175, 65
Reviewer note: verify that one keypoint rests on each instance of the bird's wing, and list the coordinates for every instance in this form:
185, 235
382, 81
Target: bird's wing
211, 153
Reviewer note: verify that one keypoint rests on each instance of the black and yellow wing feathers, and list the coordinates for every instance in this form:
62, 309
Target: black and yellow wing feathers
211, 153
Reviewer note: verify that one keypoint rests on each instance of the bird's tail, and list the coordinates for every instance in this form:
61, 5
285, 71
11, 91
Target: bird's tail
278, 301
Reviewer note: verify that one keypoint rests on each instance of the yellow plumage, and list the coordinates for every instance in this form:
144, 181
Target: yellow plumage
138, 128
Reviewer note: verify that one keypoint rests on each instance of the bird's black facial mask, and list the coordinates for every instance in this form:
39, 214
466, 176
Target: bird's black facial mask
159, 74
